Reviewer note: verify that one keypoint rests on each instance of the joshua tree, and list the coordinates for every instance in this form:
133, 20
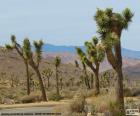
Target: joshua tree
19, 50
26, 53
47, 73
110, 26
57, 64
93, 58
34, 62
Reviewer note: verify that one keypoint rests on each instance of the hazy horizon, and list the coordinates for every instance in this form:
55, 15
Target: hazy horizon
62, 22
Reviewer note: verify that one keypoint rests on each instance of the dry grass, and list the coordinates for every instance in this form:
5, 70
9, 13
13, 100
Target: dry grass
102, 99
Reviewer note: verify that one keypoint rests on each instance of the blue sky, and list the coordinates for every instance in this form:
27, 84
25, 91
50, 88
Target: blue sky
62, 22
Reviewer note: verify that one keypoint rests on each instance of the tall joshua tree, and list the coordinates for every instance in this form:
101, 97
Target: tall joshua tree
93, 58
110, 26
57, 64
35, 62
19, 49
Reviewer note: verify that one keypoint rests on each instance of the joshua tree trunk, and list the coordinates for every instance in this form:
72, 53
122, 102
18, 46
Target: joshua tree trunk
119, 87
28, 78
32, 64
41, 84
48, 80
97, 89
119, 90
57, 82
86, 79
115, 60
91, 81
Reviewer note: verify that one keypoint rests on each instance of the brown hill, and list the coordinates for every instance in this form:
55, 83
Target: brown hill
11, 63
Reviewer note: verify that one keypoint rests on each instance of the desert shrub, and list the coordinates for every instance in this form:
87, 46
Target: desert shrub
78, 105
33, 97
127, 92
54, 96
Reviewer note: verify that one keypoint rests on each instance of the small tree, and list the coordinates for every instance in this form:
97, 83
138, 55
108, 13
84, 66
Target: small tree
57, 64
93, 58
47, 73
110, 27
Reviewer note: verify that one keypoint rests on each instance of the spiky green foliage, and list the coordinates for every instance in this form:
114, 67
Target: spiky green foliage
38, 49
107, 20
95, 52
27, 49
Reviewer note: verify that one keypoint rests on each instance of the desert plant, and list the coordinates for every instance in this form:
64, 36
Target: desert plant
110, 26
27, 54
19, 50
34, 63
93, 58
57, 64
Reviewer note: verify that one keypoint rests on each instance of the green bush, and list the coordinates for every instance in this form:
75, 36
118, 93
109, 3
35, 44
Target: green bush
54, 97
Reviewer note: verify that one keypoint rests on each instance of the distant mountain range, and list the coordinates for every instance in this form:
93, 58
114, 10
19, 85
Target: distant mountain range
71, 49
